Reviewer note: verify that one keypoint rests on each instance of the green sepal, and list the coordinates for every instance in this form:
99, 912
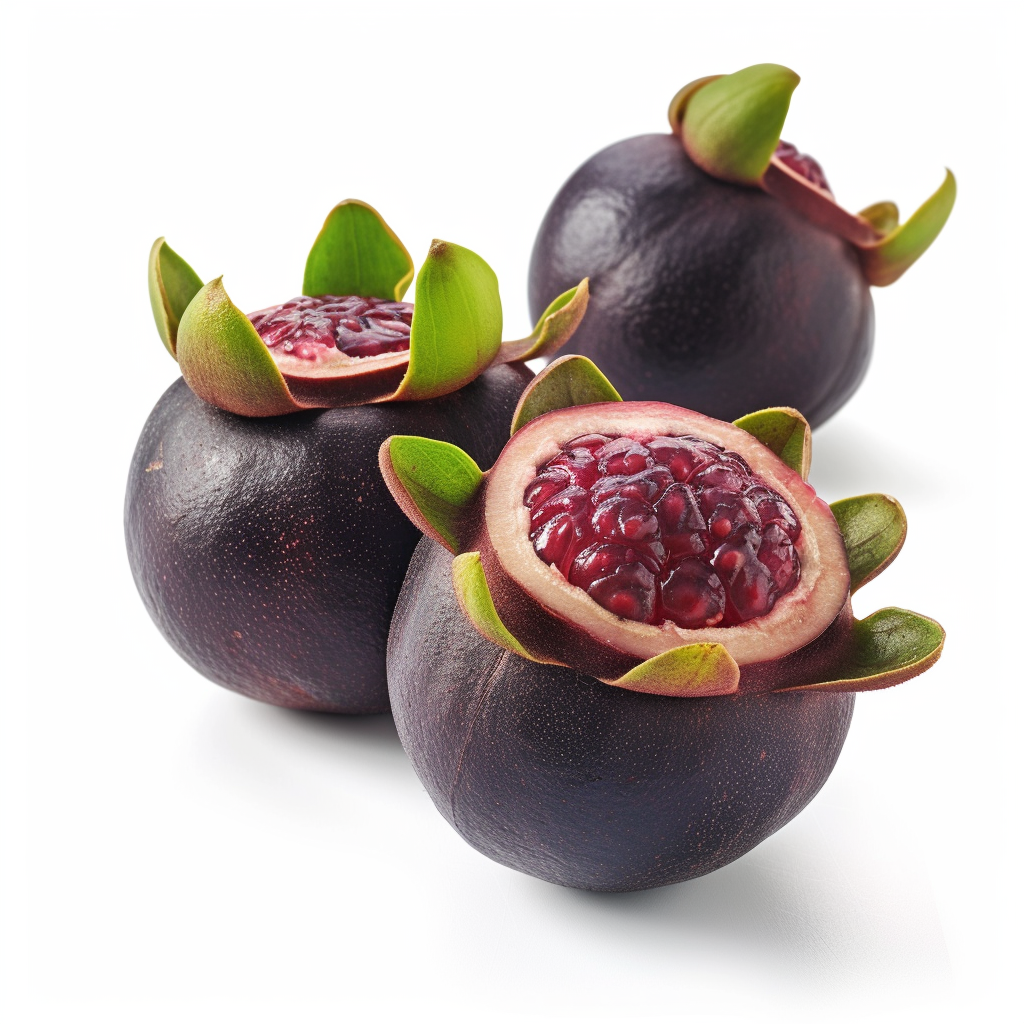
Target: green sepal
732, 126
456, 328
695, 670
476, 602
556, 326
785, 432
569, 381
678, 104
874, 527
356, 253
883, 217
224, 360
172, 286
886, 260
434, 482
886, 648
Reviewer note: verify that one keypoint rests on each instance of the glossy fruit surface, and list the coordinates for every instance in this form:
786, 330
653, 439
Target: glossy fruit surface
725, 275
704, 294
268, 551
556, 774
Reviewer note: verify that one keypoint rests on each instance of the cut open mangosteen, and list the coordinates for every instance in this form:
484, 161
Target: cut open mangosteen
265, 546
660, 550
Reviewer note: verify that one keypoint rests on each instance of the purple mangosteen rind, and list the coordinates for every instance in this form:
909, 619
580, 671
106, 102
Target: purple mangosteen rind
453, 336
446, 495
550, 772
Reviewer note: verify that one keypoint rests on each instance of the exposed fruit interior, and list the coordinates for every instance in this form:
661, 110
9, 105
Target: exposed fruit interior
312, 327
664, 529
804, 165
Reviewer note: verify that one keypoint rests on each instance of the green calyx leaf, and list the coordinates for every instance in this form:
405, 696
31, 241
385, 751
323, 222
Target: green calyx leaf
356, 253
224, 360
555, 327
874, 527
785, 432
569, 381
677, 106
731, 126
456, 327
434, 482
172, 286
883, 217
887, 648
476, 602
696, 670
888, 259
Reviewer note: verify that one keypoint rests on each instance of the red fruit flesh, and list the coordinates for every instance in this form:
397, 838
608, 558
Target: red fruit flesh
664, 529
804, 165
310, 328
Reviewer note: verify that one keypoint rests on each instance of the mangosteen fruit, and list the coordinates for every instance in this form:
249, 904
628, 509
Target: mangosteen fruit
260, 534
724, 275
626, 654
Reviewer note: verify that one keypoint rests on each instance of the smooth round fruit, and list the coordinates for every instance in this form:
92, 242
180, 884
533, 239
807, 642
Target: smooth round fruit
558, 775
269, 552
705, 294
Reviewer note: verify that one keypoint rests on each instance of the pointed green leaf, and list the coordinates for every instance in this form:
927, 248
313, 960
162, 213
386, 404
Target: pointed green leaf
696, 670
883, 217
874, 527
888, 259
732, 126
356, 253
554, 328
887, 648
677, 106
475, 599
224, 360
785, 432
569, 381
456, 328
172, 286
433, 481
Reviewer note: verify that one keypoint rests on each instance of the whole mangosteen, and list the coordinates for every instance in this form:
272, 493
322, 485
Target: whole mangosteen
637, 657
724, 275
260, 534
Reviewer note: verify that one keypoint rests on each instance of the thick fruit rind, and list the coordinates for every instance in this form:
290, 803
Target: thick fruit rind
882, 650
730, 126
455, 333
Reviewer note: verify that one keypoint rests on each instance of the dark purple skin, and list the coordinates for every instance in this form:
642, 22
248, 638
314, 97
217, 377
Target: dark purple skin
269, 551
712, 296
583, 784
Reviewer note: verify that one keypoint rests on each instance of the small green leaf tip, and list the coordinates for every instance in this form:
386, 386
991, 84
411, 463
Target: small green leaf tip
785, 432
677, 107
224, 360
886, 648
456, 328
172, 286
555, 327
569, 381
883, 217
356, 253
477, 604
888, 259
874, 527
434, 482
696, 670
731, 126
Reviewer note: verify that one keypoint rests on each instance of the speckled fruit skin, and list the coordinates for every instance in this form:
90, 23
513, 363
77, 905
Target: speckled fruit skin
707, 295
583, 784
269, 551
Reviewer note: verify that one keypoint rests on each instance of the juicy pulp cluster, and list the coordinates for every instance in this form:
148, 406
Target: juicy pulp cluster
306, 326
664, 529
804, 165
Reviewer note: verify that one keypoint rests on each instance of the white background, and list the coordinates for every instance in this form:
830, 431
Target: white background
172, 851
